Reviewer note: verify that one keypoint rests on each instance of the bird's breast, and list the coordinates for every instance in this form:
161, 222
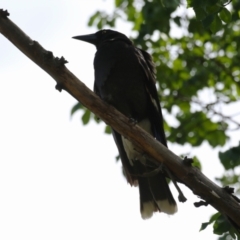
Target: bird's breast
120, 79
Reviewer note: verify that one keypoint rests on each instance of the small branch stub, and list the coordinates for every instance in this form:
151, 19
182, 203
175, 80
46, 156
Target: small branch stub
4, 13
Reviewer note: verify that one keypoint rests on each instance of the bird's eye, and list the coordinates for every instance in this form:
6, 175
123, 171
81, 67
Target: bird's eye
104, 31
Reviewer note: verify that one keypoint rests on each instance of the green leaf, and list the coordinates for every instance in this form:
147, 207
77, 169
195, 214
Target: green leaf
229, 179
212, 9
216, 25
208, 21
184, 106
108, 130
233, 233
86, 117
196, 163
225, 15
195, 26
93, 18
171, 3
76, 107
118, 2
195, 3
177, 64
97, 119
217, 137
221, 225
189, 3
100, 23
200, 13
214, 217
204, 225
230, 158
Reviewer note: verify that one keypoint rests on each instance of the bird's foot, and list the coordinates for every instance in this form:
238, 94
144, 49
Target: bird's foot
181, 196
133, 121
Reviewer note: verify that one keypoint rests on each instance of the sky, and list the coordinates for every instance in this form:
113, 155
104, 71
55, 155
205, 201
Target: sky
58, 178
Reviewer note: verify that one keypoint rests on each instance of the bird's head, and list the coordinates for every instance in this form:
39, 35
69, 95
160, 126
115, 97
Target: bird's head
103, 36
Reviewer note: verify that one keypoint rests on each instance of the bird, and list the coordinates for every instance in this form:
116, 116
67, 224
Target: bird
125, 78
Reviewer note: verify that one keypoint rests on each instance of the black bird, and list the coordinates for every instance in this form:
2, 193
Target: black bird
125, 78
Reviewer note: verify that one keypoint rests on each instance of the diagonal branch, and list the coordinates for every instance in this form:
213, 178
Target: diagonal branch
219, 198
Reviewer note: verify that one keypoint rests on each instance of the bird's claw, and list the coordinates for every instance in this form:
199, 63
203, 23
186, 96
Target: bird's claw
132, 121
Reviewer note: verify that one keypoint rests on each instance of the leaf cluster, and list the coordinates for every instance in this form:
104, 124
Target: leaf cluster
221, 226
190, 67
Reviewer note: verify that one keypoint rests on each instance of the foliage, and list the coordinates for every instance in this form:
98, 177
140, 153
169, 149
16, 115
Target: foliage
221, 226
198, 71
230, 158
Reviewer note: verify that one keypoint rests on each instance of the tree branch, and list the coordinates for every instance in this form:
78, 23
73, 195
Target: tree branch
220, 199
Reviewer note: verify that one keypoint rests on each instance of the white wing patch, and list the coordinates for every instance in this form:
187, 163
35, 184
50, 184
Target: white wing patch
132, 152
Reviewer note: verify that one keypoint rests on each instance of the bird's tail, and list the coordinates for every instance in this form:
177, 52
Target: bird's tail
155, 195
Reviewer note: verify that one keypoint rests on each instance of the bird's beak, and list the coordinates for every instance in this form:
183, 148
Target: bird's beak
90, 38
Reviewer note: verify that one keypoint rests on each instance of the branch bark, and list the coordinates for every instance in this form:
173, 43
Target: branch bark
218, 197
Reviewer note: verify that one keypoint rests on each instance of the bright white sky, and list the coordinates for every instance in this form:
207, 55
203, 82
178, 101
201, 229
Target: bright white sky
59, 179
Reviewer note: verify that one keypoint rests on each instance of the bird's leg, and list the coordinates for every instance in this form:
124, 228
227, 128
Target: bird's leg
149, 174
181, 197
153, 172
144, 160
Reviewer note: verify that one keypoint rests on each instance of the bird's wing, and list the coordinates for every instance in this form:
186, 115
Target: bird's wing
128, 169
148, 67
103, 70
155, 111
147, 62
